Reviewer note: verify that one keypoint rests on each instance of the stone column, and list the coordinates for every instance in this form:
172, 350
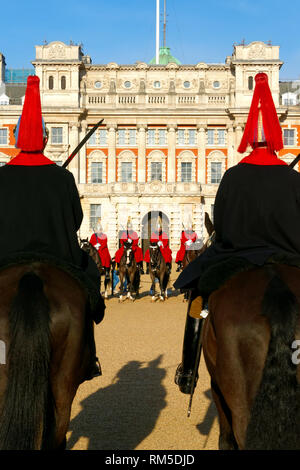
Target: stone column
73, 141
141, 128
171, 176
111, 172
201, 153
82, 155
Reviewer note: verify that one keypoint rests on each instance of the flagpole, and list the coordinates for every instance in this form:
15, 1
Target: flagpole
157, 32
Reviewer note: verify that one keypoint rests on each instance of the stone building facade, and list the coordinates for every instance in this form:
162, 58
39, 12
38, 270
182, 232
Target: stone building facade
168, 135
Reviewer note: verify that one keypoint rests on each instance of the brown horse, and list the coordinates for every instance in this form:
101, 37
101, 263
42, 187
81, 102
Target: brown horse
129, 270
93, 252
248, 343
158, 270
44, 327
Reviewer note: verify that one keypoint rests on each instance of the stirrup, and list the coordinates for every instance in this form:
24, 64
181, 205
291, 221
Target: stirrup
184, 380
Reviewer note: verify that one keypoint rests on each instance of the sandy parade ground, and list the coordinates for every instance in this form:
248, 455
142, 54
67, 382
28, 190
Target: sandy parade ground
135, 404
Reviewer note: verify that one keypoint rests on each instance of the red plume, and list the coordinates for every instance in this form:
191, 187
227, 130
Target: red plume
30, 135
262, 101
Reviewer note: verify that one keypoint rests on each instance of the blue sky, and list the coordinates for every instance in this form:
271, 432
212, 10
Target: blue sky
123, 31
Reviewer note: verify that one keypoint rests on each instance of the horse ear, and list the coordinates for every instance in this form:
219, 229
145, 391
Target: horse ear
208, 224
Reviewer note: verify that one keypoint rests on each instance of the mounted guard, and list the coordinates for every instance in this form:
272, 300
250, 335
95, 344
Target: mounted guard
44, 199
256, 220
162, 240
99, 241
188, 237
130, 236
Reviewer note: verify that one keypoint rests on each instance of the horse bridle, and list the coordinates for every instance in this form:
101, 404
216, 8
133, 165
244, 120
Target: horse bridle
154, 260
128, 251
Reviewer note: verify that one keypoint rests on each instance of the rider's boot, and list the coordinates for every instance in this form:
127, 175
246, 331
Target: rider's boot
94, 367
147, 269
169, 268
192, 336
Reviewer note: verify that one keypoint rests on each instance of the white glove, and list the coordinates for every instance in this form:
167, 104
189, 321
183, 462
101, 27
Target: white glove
97, 246
160, 243
129, 240
189, 242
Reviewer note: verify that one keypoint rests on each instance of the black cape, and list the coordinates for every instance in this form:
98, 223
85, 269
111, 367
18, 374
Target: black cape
40, 214
256, 215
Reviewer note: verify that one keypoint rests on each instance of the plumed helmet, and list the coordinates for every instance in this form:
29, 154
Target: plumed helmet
262, 127
129, 223
30, 130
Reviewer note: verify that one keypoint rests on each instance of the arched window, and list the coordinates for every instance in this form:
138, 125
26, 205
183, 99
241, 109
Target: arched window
250, 83
63, 82
50, 82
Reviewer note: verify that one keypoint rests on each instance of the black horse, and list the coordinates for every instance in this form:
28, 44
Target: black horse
129, 270
93, 252
158, 269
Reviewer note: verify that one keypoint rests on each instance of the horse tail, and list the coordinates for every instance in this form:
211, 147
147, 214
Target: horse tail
275, 417
27, 419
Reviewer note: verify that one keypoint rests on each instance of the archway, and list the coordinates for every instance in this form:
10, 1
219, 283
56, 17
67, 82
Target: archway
149, 225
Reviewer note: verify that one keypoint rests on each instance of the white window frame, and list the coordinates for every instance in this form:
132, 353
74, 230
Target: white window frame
218, 167
186, 156
156, 156
5, 140
216, 156
97, 156
127, 137
96, 172
210, 137
125, 174
152, 163
126, 156
95, 215
53, 137
182, 173
102, 137
287, 140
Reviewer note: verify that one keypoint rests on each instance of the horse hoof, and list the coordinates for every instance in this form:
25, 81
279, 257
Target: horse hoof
161, 299
153, 299
121, 298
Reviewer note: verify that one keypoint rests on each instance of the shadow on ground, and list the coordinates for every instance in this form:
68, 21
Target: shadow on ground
208, 421
123, 414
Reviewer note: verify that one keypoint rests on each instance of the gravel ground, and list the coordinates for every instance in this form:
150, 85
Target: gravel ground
135, 404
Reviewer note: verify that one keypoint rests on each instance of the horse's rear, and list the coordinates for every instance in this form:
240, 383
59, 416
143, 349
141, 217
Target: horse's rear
248, 343
43, 325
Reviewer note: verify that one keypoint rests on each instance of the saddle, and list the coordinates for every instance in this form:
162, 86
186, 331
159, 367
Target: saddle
91, 290
217, 274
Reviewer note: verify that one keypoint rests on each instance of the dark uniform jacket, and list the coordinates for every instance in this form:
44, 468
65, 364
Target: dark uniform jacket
256, 214
40, 213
